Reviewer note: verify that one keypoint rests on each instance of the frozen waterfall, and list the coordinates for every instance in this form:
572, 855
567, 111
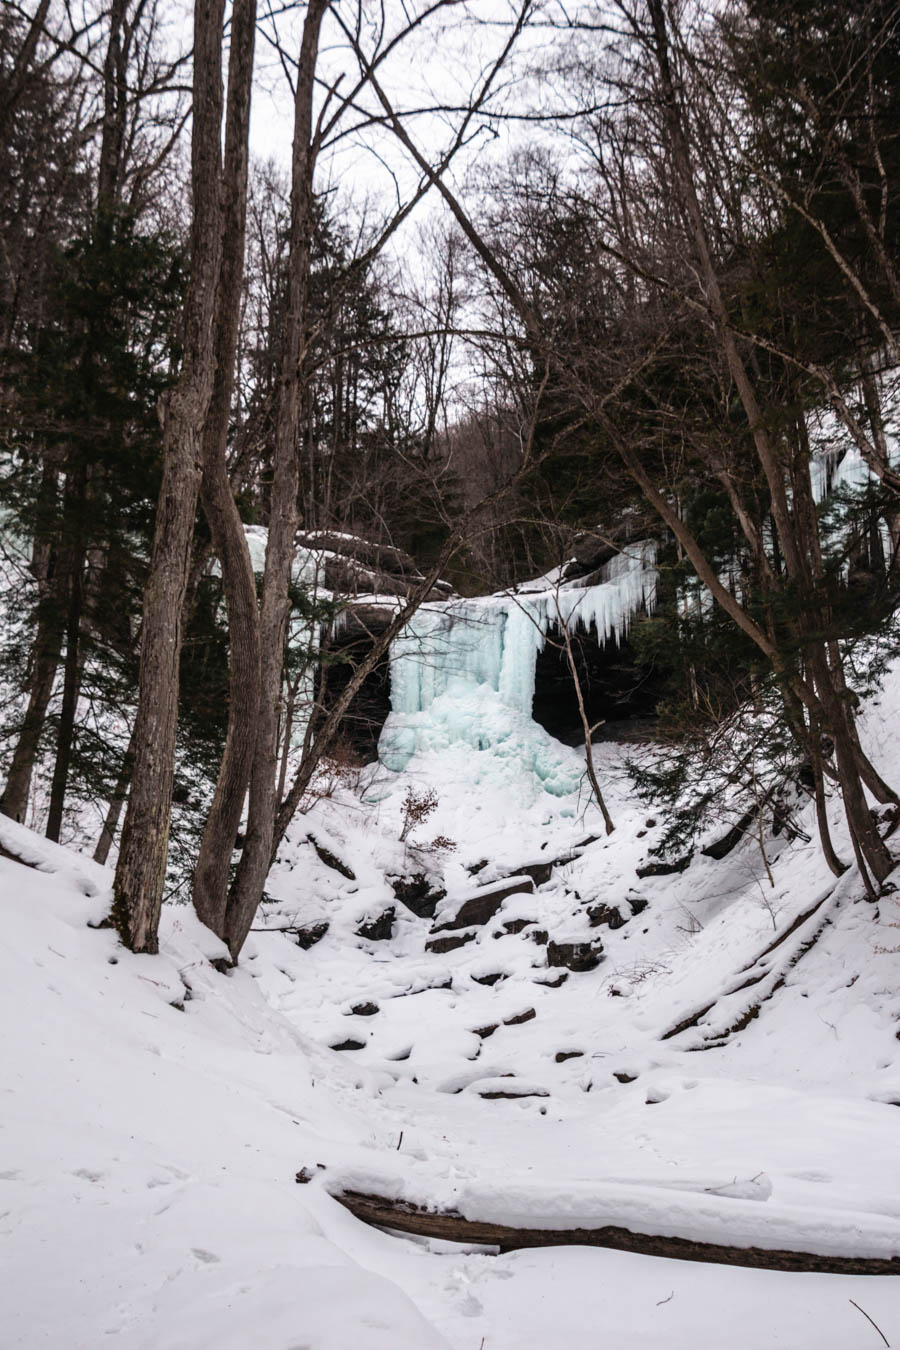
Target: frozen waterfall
450, 657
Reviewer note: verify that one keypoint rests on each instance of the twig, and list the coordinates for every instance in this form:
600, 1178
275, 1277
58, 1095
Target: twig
874, 1324
661, 1301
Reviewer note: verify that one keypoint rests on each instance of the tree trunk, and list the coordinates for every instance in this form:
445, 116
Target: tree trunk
116, 802
246, 891
140, 873
45, 652
802, 564
44, 665
115, 109
315, 748
210, 890
74, 512
585, 724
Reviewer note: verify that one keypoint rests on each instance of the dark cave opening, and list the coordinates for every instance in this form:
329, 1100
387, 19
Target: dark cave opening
616, 688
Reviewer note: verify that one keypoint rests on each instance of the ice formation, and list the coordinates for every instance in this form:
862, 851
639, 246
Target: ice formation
453, 653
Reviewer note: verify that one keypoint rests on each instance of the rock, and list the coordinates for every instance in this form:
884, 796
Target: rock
364, 621
379, 929
477, 867
610, 915
625, 1077
418, 894
515, 925
638, 904
489, 979
720, 848
425, 988
556, 982
481, 907
540, 936
309, 936
493, 1095
664, 869
366, 1009
589, 552
331, 859
562, 1055
527, 1016
348, 578
448, 944
577, 956
539, 872
349, 1044
484, 1032
379, 557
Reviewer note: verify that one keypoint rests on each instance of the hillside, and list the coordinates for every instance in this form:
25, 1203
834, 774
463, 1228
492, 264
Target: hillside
728, 1072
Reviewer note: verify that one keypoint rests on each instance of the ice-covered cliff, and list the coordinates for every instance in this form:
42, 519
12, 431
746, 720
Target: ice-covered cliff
453, 656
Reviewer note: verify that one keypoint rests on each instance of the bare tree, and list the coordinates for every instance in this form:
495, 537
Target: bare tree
818, 685
313, 134
141, 864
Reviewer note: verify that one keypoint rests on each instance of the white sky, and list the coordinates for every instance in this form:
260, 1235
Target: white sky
442, 63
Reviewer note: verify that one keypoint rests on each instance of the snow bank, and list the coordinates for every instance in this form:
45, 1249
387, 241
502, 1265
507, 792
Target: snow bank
155, 1115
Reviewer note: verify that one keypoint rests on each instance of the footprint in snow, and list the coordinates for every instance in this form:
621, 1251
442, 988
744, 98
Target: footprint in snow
87, 1175
470, 1306
208, 1258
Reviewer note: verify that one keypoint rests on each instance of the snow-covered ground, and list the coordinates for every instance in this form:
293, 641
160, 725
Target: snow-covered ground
156, 1112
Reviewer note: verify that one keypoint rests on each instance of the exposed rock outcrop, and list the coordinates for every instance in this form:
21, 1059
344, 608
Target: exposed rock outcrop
577, 956
479, 908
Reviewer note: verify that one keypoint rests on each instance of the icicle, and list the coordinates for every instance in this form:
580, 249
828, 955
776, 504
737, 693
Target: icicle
458, 646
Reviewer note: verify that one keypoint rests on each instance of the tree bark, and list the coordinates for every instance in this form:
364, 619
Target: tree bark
44, 665
140, 873
210, 889
585, 724
246, 890
116, 802
73, 516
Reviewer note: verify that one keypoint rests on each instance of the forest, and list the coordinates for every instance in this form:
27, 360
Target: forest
449, 474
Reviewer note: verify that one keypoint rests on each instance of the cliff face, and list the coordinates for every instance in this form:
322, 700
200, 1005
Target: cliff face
512, 643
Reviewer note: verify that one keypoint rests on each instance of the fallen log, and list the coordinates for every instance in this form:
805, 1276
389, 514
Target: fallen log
450, 1226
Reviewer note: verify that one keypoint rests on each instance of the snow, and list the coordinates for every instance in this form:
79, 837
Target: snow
148, 1152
